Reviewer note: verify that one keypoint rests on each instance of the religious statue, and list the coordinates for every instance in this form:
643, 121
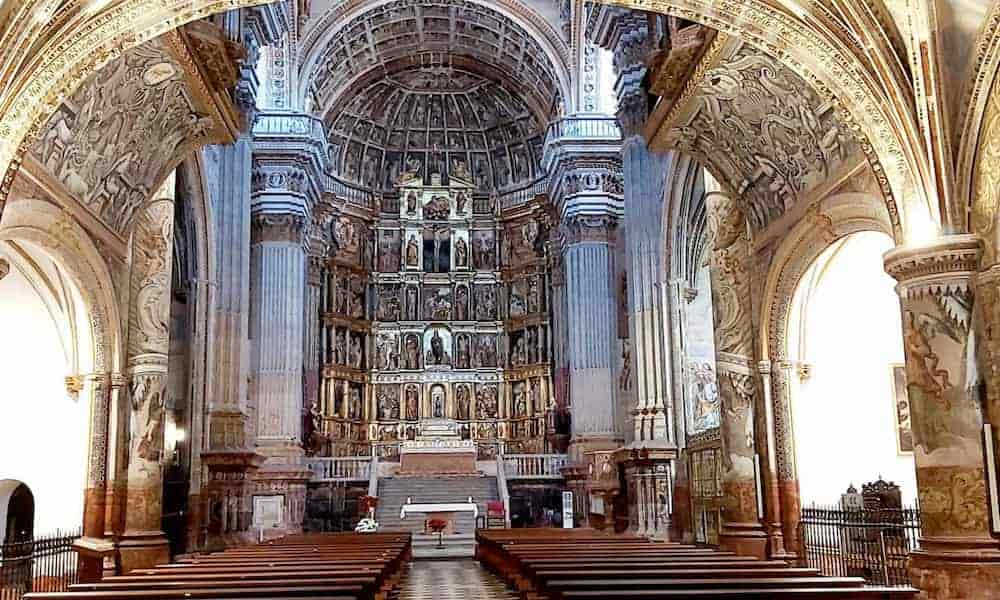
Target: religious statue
534, 296
459, 170
412, 403
486, 308
518, 302
437, 355
357, 356
389, 254
461, 201
462, 401
536, 396
519, 356
413, 252
437, 209
461, 253
388, 407
412, 357
340, 349
462, 351
411, 203
520, 402
486, 352
357, 298
483, 254
354, 407
412, 305
382, 352
487, 402
437, 402
461, 303
531, 343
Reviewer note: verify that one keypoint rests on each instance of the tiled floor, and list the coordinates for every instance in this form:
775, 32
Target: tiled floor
451, 580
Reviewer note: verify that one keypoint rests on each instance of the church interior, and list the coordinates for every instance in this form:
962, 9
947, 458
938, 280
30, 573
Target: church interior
550, 299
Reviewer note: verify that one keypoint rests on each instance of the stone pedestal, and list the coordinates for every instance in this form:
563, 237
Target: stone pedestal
649, 477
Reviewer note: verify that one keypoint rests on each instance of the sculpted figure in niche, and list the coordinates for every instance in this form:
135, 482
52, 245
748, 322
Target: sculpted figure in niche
342, 292
388, 304
389, 254
536, 396
532, 344
483, 253
412, 402
486, 351
534, 296
518, 301
437, 209
462, 354
412, 356
520, 400
463, 399
412, 305
388, 404
437, 304
437, 355
354, 407
461, 253
461, 201
486, 401
461, 303
340, 348
486, 307
519, 356
411, 203
437, 402
357, 356
357, 298
413, 252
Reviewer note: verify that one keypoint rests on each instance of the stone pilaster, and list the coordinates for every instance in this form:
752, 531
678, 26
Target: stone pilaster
277, 299
742, 530
958, 555
94, 547
591, 319
143, 543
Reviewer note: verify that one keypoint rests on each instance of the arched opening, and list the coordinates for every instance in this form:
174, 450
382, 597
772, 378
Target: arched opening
17, 512
44, 432
848, 392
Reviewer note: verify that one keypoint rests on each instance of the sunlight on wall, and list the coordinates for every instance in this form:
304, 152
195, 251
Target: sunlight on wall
43, 431
844, 412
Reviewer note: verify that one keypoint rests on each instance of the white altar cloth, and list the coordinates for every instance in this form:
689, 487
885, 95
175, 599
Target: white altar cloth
438, 508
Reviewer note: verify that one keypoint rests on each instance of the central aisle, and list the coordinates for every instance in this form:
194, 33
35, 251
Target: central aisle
451, 580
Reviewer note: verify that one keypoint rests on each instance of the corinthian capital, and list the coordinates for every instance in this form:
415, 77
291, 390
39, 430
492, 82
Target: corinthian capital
590, 228
278, 228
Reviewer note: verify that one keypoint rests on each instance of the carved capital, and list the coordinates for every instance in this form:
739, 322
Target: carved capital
588, 228
946, 266
277, 228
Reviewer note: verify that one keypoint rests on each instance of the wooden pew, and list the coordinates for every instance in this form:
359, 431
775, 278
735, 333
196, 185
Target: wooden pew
577, 564
334, 566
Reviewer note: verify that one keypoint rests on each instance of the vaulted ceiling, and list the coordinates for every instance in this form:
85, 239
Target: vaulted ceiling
436, 119
518, 48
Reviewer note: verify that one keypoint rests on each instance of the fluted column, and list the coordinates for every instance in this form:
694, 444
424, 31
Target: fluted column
591, 319
143, 543
742, 530
958, 555
277, 300
312, 338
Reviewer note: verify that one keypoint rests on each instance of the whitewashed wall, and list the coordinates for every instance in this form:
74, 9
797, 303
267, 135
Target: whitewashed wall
844, 413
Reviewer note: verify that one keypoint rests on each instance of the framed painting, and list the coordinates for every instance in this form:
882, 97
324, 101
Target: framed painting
901, 410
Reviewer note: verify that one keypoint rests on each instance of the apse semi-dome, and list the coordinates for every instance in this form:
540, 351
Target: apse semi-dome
437, 119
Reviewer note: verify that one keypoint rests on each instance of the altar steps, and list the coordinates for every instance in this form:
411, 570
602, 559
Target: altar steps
393, 492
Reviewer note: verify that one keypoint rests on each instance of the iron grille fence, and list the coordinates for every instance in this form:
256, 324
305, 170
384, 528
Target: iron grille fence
873, 543
43, 564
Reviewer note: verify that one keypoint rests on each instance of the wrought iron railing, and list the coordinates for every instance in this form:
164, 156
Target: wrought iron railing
44, 564
340, 469
533, 466
872, 543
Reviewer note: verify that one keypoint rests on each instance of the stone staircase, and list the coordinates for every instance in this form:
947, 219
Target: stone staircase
443, 489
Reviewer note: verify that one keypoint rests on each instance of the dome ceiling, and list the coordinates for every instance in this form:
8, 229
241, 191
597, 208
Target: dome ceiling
402, 34
436, 119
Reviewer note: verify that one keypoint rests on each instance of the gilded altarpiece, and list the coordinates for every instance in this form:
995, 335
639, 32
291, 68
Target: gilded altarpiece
439, 314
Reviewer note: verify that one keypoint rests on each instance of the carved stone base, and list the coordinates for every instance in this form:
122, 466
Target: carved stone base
142, 550
92, 556
744, 539
972, 575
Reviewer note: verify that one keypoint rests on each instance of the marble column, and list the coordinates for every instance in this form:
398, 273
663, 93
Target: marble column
958, 555
143, 543
277, 301
742, 530
591, 322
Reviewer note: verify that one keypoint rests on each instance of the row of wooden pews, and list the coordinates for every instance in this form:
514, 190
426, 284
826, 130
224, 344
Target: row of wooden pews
580, 564
327, 566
